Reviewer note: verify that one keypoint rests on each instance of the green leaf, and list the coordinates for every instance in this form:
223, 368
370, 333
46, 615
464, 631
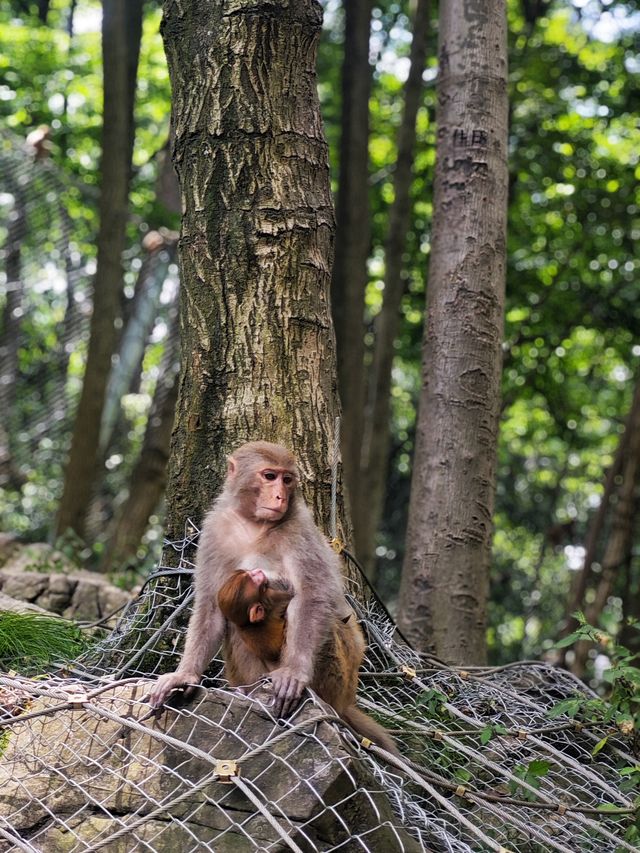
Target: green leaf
569, 640
463, 775
629, 771
538, 768
486, 735
570, 707
600, 745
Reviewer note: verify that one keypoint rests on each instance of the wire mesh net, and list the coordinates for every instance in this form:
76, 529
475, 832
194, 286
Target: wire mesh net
86, 765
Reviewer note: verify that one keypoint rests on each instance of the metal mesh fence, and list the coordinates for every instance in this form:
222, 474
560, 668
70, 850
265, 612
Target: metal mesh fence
86, 766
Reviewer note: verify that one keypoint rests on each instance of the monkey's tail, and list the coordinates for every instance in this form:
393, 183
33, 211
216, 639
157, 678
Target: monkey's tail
368, 728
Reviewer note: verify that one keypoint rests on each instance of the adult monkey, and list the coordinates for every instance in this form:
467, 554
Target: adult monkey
260, 521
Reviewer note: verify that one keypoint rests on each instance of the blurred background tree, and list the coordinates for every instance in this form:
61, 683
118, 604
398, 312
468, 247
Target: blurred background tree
571, 345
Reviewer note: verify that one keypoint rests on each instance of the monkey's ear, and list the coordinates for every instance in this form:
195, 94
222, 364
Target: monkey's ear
256, 613
232, 467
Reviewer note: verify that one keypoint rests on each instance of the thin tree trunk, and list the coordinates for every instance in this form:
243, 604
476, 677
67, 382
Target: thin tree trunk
43, 10
149, 474
134, 338
255, 246
630, 634
375, 460
445, 575
349, 278
581, 580
121, 32
617, 554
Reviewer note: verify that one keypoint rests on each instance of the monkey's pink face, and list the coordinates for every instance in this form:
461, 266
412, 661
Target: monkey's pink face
275, 487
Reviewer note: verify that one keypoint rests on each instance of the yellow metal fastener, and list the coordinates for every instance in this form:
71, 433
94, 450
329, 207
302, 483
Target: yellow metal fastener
337, 545
226, 770
408, 672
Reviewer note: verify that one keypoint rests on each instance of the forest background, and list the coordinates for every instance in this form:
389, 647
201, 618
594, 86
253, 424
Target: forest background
566, 515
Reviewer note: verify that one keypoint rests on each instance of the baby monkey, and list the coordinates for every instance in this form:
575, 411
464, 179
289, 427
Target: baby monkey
257, 607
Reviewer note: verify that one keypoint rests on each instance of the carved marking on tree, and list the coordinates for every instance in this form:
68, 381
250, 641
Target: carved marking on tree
476, 136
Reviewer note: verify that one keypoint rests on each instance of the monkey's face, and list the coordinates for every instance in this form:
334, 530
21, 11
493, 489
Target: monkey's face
261, 481
247, 598
273, 488
241, 597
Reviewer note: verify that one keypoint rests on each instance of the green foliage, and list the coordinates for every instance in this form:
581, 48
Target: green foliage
490, 732
434, 702
531, 776
620, 706
30, 641
572, 316
48, 78
572, 320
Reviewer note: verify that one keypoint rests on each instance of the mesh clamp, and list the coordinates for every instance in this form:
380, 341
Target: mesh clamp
337, 545
226, 770
408, 672
366, 743
77, 700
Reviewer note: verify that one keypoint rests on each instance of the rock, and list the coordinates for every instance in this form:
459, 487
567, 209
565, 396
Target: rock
15, 606
87, 778
58, 594
93, 597
25, 586
81, 595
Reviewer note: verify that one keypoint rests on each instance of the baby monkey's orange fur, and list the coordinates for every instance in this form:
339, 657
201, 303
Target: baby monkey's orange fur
258, 610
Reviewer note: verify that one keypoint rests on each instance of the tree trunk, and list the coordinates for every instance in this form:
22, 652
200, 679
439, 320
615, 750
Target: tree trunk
139, 325
43, 10
352, 245
121, 32
581, 580
149, 475
617, 555
445, 575
629, 633
375, 458
255, 246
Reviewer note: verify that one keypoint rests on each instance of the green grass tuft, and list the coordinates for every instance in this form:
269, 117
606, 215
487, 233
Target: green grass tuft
29, 640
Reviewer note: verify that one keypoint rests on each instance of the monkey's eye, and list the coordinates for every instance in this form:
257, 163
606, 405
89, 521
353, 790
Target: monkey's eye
270, 475
287, 480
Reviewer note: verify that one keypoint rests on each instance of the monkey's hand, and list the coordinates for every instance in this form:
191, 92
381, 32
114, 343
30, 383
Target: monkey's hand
287, 690
169, 682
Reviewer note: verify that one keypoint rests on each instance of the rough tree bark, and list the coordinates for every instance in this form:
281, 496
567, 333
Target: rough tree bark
121, 32
445, 575
375, 455
255, 247
349, 278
